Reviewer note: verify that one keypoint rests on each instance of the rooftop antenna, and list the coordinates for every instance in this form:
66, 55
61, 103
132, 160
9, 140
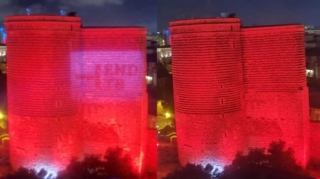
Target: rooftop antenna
28, 11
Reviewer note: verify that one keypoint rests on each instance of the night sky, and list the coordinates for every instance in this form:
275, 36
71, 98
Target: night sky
260, 12
155, 14
92, 12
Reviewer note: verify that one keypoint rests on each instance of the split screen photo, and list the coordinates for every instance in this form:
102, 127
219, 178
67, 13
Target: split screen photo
167, 89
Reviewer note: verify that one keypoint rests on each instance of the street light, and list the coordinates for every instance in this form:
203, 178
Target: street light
3, 124
1, 116
167, 115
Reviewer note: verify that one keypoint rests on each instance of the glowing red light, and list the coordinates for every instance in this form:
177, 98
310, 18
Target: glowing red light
114, 89
151, 155
64, 81
208, 89
276, 91
237, 88
42, 103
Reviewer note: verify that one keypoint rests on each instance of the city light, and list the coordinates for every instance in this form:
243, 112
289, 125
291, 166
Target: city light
167, 115
4, 137
149, 79
2, 53
309, 73
2, 116
28, 11
3, 121
51, 171
63, 12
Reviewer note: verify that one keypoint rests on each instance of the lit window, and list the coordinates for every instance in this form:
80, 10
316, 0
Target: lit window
149, 79
309, 73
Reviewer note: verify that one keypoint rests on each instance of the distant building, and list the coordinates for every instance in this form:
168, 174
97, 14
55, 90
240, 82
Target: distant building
164, 56
3, 59
164, 38
152, 43
3, 36
314, 102
312, 44
167, 37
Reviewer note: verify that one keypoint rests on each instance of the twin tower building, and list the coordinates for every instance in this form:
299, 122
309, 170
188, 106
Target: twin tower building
74, 90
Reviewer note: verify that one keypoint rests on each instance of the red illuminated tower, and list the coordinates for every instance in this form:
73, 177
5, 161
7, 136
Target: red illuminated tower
208, 89
114, 90
276, 91
213, 61
43, 101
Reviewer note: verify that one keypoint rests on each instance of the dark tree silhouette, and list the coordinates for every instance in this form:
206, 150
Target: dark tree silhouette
277, 163
192, 171
114, 165
26, 174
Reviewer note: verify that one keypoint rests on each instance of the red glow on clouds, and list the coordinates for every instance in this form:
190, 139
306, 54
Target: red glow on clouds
237, 88
73, 91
